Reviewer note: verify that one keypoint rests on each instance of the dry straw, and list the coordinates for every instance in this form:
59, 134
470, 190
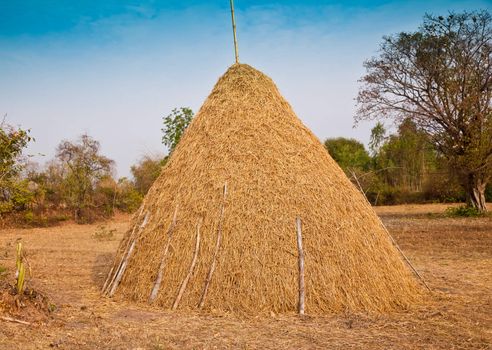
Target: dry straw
245, 169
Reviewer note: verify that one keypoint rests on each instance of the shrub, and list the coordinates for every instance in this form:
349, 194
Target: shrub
443, 187
29, 216
463, 211
37, 218
129, 201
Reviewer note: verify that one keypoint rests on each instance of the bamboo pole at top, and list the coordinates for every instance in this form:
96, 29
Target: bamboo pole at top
234, 31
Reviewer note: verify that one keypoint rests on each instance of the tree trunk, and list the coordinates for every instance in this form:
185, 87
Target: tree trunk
475, 193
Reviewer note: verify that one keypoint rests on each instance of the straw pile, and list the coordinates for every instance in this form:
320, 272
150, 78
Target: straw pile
217, 231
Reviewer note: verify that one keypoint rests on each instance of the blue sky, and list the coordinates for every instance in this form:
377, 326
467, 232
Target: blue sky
113, 68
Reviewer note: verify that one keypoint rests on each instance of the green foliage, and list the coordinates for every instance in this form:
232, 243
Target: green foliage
110, 195
442, 186
12, 142
405, 159
128, 199
39, 218
16, 195
404, 167
14, 192
21, 194
488, 193
175, 125
146, 171
463, 211
350, 154
32, 219
378, 136
29, 216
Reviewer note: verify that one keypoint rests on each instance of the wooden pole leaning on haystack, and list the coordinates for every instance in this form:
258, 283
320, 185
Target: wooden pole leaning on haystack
184, 284
216, 251
111, 289
234, 31
391, 237
300, 250
162, 265
110, 277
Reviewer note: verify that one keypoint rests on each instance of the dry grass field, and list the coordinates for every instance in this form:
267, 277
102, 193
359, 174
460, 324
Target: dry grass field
69, 265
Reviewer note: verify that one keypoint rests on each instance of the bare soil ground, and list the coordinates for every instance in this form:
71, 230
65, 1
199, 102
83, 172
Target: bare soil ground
69, 265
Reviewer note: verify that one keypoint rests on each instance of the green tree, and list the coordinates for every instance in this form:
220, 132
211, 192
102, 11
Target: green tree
146, 171
350, 154
175, 125
440, 76
128, 199
405, 158
52, 179
14, 192
84, 167
378, 136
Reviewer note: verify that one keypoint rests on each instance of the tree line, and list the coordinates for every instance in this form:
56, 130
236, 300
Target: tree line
400, 167
79, 183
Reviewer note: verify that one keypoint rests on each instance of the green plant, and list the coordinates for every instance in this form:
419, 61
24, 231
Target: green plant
488, 193
29, 216
129, 200
350, 154
60, 217
464, 211
14, 193
21, 270
175, 125
145, 172
51, 307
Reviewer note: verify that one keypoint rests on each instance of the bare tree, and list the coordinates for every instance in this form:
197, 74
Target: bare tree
85, 166
441, 77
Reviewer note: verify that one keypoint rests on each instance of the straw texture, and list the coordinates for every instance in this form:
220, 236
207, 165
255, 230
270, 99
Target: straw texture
244, 170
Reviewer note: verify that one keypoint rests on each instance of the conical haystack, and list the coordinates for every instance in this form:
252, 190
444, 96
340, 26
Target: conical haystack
193, 245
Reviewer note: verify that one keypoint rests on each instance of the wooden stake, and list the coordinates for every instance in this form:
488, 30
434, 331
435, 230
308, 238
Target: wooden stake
234, 31
10, 319
190, 271
162, 265
110, 277
391, 238
216, 251
301, 267
124, 261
